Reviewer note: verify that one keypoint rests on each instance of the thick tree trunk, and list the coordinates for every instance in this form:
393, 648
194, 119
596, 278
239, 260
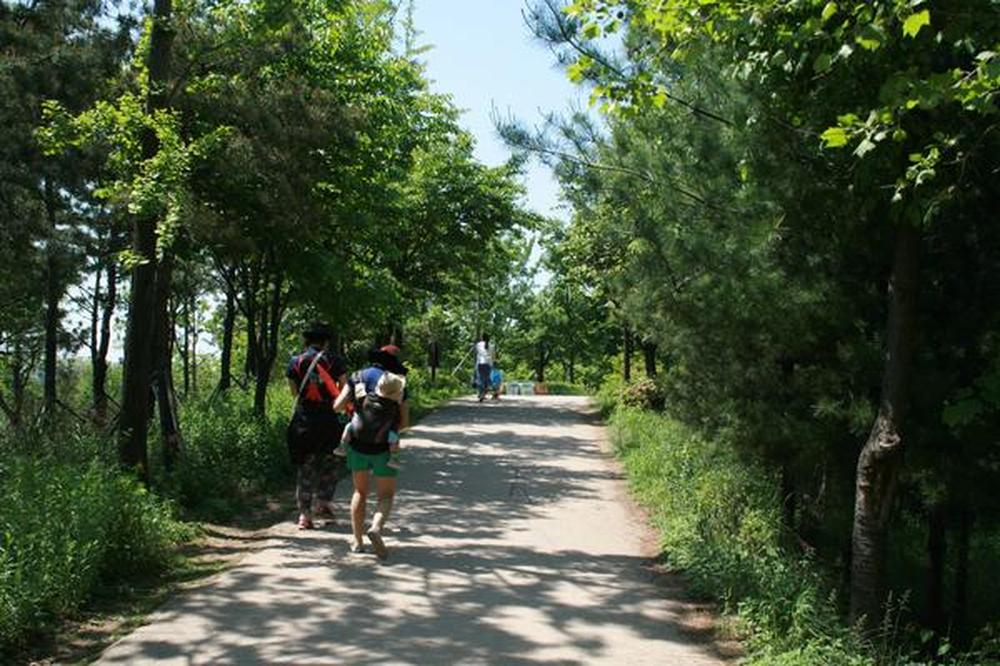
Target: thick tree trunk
134, 420
879, 461
53, 293
649, 358
626, 354
226, 357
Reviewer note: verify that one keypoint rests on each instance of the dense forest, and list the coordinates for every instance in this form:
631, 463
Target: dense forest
778, 276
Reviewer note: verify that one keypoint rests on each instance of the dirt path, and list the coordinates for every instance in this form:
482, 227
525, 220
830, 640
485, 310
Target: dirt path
512, 543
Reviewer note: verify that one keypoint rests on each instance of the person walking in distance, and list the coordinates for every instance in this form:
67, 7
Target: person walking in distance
315, 378
485, 356
368, 453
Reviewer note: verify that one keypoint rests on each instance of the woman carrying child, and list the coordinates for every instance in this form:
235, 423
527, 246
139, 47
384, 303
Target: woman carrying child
381, 411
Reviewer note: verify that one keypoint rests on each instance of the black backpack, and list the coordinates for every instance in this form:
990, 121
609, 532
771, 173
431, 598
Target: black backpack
377, 416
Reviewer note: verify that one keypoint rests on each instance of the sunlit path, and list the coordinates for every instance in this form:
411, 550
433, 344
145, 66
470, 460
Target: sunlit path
512, 544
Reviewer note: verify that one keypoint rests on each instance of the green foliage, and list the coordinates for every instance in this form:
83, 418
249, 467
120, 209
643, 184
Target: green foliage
230, 455
717, 516
70, 526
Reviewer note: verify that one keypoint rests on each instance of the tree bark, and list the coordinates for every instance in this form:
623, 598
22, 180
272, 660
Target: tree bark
540, 366
101, 339
936, 553
963, 536
881, 456
626, 354
226, 357
649, 358
170, 437
134, 420
53, 293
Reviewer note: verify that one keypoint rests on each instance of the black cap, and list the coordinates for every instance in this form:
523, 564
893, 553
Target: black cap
317, 331
387, 358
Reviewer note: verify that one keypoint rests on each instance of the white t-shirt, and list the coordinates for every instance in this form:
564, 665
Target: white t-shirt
484, 354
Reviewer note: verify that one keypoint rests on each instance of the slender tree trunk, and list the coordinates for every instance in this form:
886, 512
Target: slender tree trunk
132, 449
963, 537
102, 343
649, 358
880, 459
186, 350
226, 357
627, 354
434, 359
270, 329
542, 362
788, 499
164, 375
936, 554
193, 305
572, 367
53, 293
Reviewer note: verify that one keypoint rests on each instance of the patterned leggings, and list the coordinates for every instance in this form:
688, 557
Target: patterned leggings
318, 477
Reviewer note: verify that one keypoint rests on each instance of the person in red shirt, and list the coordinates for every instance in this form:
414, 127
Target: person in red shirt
317, 428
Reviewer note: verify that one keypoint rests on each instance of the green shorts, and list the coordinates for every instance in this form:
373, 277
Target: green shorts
376, 462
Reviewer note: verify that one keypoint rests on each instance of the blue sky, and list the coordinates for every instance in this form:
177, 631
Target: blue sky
484, 56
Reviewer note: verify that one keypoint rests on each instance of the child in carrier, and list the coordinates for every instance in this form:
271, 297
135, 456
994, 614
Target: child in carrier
376, 420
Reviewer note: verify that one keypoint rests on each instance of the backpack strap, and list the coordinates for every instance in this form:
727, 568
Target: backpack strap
305, 380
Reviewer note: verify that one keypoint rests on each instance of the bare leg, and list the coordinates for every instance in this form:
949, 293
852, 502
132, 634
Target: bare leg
358, 505
386, 489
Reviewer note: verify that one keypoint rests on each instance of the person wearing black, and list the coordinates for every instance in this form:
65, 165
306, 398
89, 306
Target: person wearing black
315, 377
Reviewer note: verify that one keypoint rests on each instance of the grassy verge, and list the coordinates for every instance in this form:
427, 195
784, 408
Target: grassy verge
718, 521
718, 518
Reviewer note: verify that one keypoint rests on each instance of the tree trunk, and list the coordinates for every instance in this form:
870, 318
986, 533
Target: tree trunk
270, 328
226, 358
540, 367
193, 304
434, 359
936, 553
164, 375
53, 293
186, 349
99, 358
134, 420
880, 459
649, 357
627, 354
963, 536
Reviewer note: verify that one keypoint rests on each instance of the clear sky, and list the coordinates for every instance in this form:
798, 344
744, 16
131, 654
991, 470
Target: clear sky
485, 56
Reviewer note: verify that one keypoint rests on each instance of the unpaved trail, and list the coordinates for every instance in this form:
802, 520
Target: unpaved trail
513, 543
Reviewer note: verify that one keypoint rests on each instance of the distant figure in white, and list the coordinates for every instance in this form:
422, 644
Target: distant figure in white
485, 357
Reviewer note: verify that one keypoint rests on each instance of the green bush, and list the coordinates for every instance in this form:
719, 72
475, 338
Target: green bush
229, 455
67, 528
643, 393
718, 518
564, 388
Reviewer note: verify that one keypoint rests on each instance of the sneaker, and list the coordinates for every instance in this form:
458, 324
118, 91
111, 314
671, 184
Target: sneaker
341, 450
356, 548
377, 544
394, 462
305, 522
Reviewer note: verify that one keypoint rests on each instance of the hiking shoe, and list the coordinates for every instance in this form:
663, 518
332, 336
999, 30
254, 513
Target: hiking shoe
305, 522
378, 545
